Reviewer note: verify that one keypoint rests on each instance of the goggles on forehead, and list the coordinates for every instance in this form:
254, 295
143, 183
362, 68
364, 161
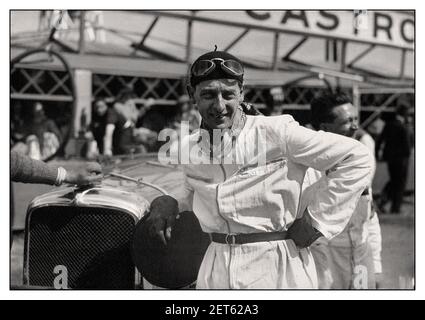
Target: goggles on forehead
202, 68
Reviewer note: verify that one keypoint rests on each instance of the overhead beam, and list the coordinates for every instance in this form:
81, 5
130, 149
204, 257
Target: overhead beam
156, 53
361, 55
258, 27
251, 65
43, 97
295, 48
383, 106
327, 72
373, 73
123, 66
64, 46
147, 33
396, 83
238, 38
381, 90
112, 65
275, 50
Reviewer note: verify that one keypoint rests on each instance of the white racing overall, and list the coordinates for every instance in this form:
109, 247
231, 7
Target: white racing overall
260, 192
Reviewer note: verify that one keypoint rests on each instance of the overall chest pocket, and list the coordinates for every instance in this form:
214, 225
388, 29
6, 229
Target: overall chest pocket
258, 171
252, 185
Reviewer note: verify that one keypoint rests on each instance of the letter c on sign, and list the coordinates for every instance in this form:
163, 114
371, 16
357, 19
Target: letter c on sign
403, 31
258, 16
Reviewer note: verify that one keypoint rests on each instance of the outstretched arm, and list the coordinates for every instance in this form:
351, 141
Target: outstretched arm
27, 170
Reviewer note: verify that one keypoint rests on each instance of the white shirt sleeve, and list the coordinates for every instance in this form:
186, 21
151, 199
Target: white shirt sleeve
348, 165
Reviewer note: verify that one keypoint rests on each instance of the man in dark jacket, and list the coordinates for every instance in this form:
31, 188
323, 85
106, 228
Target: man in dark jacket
397, 139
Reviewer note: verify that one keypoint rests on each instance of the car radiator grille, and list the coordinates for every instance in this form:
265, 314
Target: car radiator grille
93, 244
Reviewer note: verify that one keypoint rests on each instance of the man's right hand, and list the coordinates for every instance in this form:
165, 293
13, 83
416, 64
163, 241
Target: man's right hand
302, 232
162, 216
89, 173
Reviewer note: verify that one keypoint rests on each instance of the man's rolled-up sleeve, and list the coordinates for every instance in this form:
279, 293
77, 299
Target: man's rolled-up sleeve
27, 170
348, 165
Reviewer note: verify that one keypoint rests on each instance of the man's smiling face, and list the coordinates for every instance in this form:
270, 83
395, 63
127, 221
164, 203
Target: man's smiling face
217, 101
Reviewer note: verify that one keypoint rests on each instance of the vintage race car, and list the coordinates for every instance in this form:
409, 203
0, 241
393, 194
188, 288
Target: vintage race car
87, 232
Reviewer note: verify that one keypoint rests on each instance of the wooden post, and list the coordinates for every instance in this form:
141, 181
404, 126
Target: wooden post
81, 42
402, 63
83, 95
356, 98
275, 50
189, 41
343, 55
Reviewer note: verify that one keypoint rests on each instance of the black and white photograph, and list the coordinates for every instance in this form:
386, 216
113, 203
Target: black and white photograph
199, 150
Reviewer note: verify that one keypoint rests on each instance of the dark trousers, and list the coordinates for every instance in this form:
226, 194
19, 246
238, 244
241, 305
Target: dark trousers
394, 189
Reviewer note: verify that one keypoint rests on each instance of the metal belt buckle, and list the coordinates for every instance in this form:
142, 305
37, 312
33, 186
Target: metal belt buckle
232, 237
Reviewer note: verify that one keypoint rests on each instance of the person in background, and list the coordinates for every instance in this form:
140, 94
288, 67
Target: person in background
41, 136
341, 258
397, 140
119, 125
16, 123
145, 132
98, 122
121, 136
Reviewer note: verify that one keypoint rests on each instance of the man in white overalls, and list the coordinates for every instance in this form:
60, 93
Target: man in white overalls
243, 180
